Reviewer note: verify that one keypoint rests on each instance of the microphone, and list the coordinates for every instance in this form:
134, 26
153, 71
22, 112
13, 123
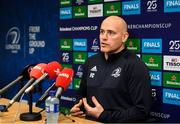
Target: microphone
51, 71
45, 95
63, 80
24, 75
54, 86
36, 72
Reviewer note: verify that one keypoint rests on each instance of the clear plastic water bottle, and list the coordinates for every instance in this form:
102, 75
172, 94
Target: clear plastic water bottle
52, 108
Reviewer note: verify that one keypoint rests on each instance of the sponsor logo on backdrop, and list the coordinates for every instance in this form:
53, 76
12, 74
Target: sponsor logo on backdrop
172, 63
79, 2
171, 6
79, 12
94, 1
80, 28
131, 7
171, 79
152, 5
76, 83
79, 57
154, 93
80, 44
112, 9
66, 13
65, 2
79, 71
95, 45
156, 78
153, 61
95, 10
171, 96
68, 98
150, 26
12, 40
133, 44
66, 44
65, 57
152, 45
91, 54
174, 46
160, 115
66, 65
110, 0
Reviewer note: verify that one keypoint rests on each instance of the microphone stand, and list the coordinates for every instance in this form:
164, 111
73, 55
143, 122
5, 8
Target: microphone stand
30, 116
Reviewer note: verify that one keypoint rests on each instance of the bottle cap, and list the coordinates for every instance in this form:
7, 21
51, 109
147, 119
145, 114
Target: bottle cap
52, 93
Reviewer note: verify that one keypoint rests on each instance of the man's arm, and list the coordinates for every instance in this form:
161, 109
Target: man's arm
78, 108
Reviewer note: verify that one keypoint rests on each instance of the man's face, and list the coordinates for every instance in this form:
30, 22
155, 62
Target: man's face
111, 36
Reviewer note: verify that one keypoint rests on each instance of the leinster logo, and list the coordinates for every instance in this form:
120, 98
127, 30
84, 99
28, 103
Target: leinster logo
12, 40
116, 73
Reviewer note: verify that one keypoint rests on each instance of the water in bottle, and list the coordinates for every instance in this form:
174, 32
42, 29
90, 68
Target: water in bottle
52, 108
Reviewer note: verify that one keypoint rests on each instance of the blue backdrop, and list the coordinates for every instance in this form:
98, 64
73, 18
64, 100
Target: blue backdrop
67, 31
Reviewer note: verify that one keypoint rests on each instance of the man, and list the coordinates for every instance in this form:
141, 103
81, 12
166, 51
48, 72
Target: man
115, 86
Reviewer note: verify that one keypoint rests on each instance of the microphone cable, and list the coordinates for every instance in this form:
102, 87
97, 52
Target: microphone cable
18, 110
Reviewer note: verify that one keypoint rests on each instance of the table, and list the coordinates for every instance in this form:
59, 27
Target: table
12, 117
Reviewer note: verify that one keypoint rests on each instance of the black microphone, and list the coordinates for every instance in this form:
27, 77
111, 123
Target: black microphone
23, 76
36, 72
45, 95
62, 82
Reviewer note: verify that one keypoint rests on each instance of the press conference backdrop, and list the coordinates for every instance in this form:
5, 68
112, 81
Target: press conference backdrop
67, 31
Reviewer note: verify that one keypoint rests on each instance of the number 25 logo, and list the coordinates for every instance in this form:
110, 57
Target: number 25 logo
174, 44
152, 4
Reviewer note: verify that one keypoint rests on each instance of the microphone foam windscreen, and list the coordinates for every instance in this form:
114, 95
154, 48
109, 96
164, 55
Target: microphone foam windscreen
26, 71
64, 78
38, 70
53, 69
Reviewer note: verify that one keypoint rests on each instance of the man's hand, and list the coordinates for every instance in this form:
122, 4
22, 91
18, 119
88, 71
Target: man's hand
75, 110
96, 111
